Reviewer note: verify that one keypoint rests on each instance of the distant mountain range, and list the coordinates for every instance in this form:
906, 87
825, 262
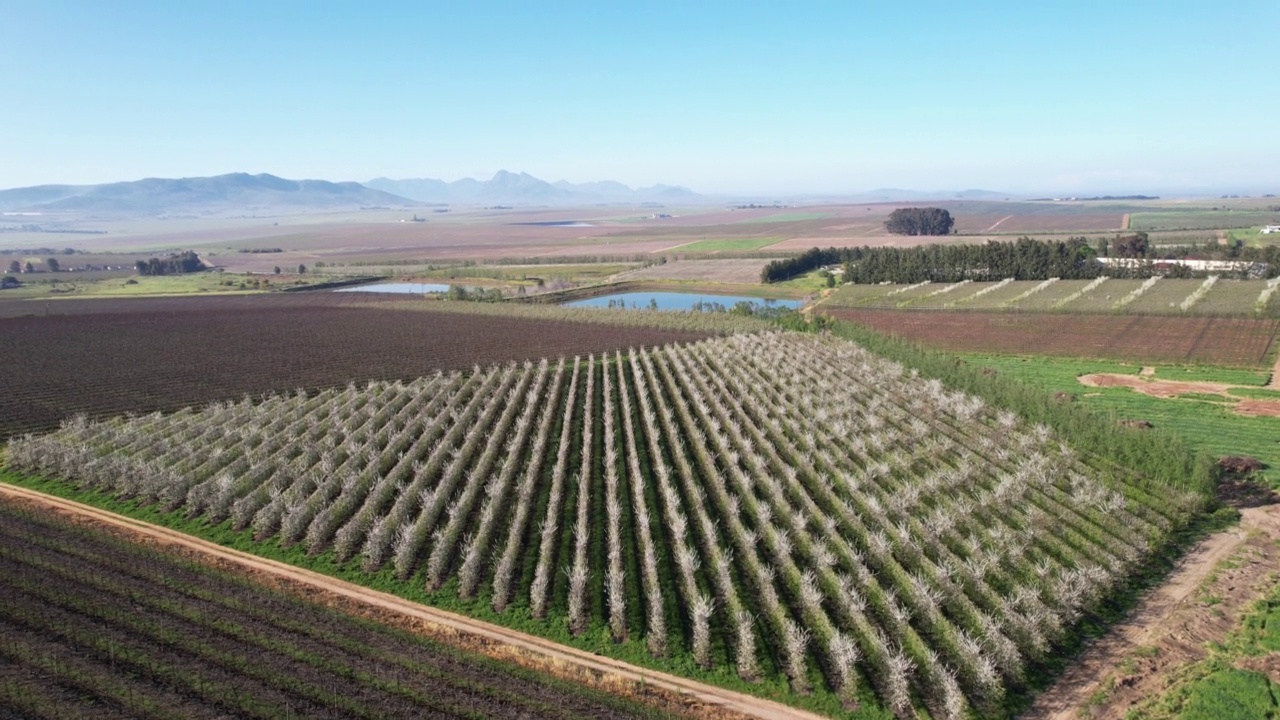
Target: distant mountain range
236, 192
906, 196
242, 193
507, 188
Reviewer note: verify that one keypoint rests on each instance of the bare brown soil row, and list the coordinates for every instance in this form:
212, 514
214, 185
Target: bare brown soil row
1171, 626
106, 357
1236, 342
440, 625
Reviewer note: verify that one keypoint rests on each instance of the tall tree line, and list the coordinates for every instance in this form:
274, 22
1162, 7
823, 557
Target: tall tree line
1022, 259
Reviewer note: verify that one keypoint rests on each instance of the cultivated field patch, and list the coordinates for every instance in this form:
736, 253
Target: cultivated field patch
1241, 342
107, 357
727, 508
731, 271
725, 245
1152, 296
94, 626
1104, 297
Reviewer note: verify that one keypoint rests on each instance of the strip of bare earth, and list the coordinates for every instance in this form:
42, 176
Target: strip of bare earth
1170, 627
492, 640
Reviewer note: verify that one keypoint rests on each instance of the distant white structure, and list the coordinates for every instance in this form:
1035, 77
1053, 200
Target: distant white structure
1251, 269
1271, 229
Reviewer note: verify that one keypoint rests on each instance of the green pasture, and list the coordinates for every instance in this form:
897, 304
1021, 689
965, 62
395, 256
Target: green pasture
1217, 688
1199, 218
51, 286
1254, 236
810, 282
1205, 421
726, 245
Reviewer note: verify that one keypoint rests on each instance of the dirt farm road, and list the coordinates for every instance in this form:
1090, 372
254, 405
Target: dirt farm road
1172, 620
441, 625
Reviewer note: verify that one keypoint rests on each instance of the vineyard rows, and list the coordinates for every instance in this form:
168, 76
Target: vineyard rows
775, 503
94, 626
1153, 296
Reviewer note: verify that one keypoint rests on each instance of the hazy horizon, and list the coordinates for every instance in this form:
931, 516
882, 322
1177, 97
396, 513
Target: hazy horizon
810, 99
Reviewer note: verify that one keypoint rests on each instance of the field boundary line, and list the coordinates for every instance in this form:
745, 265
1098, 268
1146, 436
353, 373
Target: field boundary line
997, 223
549, 652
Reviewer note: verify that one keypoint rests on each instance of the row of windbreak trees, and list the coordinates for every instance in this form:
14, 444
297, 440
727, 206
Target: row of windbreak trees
1023, 259
778, 505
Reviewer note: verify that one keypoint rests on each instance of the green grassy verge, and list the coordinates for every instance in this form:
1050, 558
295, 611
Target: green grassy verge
67, 285
1217, 688
726, 245
1205, 422
1157, 459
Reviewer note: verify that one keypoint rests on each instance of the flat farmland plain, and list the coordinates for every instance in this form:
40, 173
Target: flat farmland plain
96, 626
762, 542
478, 234
104, 357
734, 271
1234, 342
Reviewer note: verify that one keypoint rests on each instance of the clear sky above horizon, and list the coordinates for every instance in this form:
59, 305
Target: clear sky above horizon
751, 98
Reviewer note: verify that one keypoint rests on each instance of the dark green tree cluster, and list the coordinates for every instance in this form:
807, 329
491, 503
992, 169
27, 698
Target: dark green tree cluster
1024, 259
1131, 246
919, 221
808, 261
177, 264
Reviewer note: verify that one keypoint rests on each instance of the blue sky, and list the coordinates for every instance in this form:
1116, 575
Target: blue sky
742, 97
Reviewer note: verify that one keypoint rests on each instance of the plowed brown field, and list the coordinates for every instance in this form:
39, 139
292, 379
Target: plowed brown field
1242, 342
104, 357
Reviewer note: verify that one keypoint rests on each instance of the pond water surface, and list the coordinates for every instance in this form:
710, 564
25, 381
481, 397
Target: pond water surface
679, 301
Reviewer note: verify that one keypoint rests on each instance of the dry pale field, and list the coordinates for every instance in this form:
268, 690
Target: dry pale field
733, 271
385, 235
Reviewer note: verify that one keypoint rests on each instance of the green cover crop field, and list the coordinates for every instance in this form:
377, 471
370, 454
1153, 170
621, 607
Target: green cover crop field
761, 509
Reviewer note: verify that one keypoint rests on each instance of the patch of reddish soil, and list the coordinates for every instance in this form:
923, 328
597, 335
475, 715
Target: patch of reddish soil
1268, 665
1154, 388
1235, 342
1258, 408
1175, 388
1199, 603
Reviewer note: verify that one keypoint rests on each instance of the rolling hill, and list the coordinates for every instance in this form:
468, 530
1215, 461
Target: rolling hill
235, 192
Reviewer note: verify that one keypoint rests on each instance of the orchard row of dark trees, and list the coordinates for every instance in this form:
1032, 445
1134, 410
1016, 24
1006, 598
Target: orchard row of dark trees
1023, 259
177, 264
